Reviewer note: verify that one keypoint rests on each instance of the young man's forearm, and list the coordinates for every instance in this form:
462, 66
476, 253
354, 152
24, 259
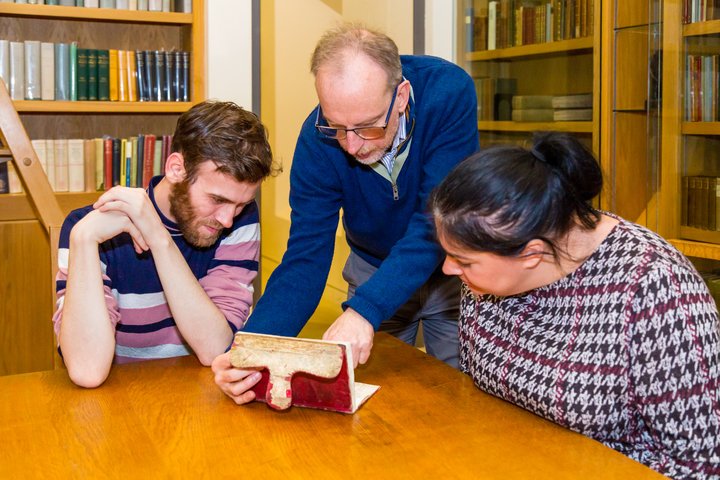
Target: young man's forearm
87, 338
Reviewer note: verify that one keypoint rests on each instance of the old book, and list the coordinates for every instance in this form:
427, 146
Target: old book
113, 74
107, 3
14, 183
89, 164
148, 159
17, 70
132, 75
123, 94
72, 69
583, 100
185, 86
684, 201
99, 150
47, 71
61, 165
302, 372
92, 72
40, 147
62, 71
159, 76
5, 62
141, 82
82, 74
531, 101
76, 164
103, 75
573, 115
33, 83
533, 115
4, 180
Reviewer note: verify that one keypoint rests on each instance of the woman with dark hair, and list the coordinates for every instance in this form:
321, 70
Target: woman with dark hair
577, 315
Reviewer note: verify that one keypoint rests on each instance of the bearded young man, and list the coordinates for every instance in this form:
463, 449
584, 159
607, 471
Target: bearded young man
166, 271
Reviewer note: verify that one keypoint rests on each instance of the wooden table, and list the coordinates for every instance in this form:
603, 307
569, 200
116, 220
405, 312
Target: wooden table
167, 419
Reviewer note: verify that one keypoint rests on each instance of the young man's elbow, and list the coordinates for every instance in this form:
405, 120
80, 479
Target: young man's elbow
87, 378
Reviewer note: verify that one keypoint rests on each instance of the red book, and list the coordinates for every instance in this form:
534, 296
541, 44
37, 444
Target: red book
108, 163
301, 372
149, 158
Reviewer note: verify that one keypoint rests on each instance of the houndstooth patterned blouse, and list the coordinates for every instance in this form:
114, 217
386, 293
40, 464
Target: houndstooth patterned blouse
625, 350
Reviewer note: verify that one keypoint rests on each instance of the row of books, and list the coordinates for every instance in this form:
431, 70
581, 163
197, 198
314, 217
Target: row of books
183, 6
701, 88
493, 24
96, 164
34, 70
700, 10
700, 202
552, 108
498, 101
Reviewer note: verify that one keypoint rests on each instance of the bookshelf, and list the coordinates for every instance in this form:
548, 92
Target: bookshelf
690, 146
26, 337
529, 40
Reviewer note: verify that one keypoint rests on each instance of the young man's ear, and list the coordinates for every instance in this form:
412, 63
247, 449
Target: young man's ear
533, 253
175, 168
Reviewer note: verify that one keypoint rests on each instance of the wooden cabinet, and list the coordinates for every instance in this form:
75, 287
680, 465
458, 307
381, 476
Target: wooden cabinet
630, 109
536, 53
690, 132
26, 338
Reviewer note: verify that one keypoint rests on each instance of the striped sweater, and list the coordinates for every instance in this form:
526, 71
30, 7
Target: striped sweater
625, 350
144, 326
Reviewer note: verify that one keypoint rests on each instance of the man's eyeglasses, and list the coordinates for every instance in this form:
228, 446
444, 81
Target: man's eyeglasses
366, 133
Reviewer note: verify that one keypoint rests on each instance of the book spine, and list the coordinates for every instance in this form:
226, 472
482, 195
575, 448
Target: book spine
148, 159
116, 162
159, 73
47, 71
50, 161
5, 63
149, 58
113, 75
76, 165
140, 155
89, 164
17, 70
33, 82
177, 75
132, 76
72, 63
4, 180
122, 76
167, 77
141, 83
103, 75
92, 79
170, 77
40, 148
14, 183
99, 161
61, 165
492, 25
108, 166
62, 71
82, 74
185, 88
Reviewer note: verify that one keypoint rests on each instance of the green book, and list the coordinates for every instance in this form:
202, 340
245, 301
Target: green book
103, 75
92, 74
73, 71
82, 74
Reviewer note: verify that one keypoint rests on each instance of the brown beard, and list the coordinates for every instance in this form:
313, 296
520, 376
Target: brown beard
188, 223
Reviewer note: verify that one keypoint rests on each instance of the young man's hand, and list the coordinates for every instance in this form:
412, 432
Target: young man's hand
352, 327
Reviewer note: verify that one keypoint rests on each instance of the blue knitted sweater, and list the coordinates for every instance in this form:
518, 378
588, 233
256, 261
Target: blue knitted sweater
385, 216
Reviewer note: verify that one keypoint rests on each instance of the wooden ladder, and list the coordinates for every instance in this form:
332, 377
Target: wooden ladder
16, 148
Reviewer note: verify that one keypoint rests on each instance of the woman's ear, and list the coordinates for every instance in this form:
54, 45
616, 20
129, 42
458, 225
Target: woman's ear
533, 253
175, 168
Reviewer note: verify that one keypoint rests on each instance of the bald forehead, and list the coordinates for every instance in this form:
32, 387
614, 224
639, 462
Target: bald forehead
352, 69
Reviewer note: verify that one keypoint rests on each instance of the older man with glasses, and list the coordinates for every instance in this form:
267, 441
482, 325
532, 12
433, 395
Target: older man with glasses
387, 130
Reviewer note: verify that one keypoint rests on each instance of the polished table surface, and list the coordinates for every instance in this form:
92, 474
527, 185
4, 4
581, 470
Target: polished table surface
167, 419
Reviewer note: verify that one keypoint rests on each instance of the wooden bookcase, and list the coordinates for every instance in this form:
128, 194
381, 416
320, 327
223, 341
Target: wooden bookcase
689, 148
561, 67
630, 109
26, 338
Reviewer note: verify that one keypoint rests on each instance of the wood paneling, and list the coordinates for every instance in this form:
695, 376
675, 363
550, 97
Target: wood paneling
631, 69
631, 13
26, 336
